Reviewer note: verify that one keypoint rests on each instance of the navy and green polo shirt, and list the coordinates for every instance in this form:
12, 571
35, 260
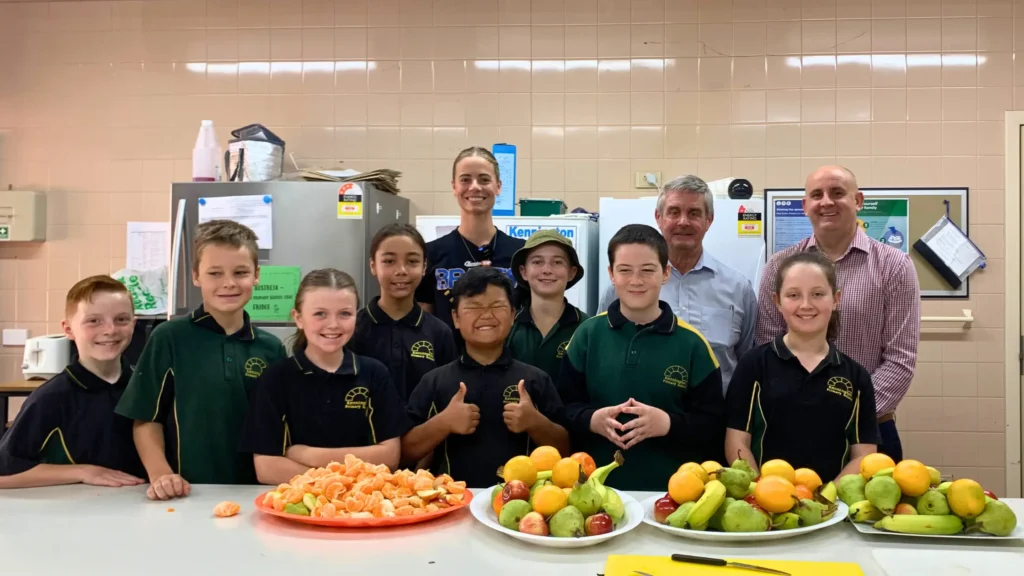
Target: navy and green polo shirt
809, 419
70, 420
297, 402
666, 364
409, 347
476, 457
195, 380
543, 351
448, 258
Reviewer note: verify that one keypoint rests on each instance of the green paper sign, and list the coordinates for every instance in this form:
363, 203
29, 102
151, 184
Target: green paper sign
274, 297
5, 232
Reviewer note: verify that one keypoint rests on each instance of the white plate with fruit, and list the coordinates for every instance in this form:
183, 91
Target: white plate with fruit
712, 503
565, 506
910, 499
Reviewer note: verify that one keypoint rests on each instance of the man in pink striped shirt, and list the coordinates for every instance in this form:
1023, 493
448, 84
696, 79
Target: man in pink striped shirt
879, 310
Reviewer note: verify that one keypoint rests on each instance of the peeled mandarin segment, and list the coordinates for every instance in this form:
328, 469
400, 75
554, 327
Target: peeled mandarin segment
226, 509
292, 496
328, 511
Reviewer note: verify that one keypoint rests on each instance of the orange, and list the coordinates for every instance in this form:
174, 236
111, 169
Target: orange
779, 468
802, 492
520, 468
496, 504
684, 486
710, 466
775, 494
912, 477
807, 477
586, 461
873, 463
697, 470
549, 499
565, 473
544, 458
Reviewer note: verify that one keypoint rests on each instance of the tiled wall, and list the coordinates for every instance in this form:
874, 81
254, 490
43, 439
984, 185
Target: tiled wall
100, 103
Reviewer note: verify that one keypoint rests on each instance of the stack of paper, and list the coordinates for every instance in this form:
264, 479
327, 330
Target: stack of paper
383, 179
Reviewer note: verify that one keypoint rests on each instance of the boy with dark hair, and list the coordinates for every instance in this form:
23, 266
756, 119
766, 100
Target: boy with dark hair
640, 379
544, 269
67, 431
475, 413
189, 394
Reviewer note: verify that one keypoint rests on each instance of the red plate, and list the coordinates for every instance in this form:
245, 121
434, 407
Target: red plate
363, 522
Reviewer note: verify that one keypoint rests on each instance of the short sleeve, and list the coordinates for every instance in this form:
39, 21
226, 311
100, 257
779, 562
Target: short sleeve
150, 392
865, 430
445, 345
572, 384
702, 361
387, 415
421, 406
20, 449
265, 429
740, 398
545, 398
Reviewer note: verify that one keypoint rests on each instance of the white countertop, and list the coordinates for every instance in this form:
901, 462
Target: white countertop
84, 530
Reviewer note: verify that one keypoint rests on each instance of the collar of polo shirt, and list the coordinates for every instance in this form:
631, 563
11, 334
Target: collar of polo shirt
503, 361
349, 365
201, 317
89, 381
665, 323
784, 353
413, 319
570, 315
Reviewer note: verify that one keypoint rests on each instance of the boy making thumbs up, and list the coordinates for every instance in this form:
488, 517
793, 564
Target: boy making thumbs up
475, 413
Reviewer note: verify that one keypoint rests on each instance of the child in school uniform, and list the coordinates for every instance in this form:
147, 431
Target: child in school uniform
638, 378
797, 397
189, 394
324, 402
544, 269
67, 432
392, 328
476, 412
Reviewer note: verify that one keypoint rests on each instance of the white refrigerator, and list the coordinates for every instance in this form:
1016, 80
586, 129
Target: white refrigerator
581, 229
735, 238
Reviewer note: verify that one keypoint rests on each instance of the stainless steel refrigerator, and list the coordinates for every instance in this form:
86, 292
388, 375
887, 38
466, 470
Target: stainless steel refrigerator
314, 225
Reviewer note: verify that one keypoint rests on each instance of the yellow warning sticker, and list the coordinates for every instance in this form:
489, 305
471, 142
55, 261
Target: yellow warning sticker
350, 201
748, 223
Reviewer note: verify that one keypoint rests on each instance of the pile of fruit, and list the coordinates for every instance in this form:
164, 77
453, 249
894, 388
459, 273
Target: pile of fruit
357, 489
709, 497
911, 498
546, 495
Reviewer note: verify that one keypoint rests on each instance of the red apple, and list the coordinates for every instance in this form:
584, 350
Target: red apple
598, 524
751, 500
533, 523
991, 495
663, 508
515, 490
904, 508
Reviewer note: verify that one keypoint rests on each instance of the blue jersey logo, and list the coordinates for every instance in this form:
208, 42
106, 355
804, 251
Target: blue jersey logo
446, 277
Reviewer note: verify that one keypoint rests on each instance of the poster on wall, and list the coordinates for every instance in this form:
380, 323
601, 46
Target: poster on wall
886, 220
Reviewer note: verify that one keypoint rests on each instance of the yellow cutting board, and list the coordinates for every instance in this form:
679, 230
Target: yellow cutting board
664, 566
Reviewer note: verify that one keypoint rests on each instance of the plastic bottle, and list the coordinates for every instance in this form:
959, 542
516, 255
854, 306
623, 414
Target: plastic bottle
206, 156
893, 238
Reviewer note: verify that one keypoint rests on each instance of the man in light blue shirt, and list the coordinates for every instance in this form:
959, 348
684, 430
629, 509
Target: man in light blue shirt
705, 293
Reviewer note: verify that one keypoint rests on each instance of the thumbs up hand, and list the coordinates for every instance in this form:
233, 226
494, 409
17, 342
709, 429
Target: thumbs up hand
462, 418
522, 416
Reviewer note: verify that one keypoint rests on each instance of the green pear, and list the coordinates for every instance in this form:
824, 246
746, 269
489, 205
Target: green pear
612, 505
932, 503
512, 512
297, 508
785, 521
678, 518
883, 492
567, 523
741, 464
715, 523
810, 512
585, 498
997, 519
742, 517
851, 488
736, 481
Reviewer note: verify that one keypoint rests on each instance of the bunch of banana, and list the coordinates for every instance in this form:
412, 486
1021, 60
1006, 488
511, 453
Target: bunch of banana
916, 524
707, 505
865, 512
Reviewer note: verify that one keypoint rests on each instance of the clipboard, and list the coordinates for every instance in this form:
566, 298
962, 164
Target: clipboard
950, 251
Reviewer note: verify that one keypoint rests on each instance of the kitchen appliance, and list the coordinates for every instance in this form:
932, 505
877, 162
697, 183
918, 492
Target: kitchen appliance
735, 238
581, 229
45, 356
314, 225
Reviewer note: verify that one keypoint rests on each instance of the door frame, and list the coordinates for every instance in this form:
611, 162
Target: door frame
1014, 130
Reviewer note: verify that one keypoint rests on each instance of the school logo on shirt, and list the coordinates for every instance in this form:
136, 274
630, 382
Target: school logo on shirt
254, 367
840, 386
561, 349
676, 376
422, 349
511, 395
357, 398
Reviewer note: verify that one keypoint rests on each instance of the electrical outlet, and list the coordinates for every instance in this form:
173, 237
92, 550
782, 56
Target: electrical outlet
640, 179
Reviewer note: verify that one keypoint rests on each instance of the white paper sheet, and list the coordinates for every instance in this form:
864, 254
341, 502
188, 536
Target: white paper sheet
147, 245
953, 248
256, 212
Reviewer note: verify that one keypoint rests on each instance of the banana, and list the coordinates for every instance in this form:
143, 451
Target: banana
885, 472
828, 492
705, 508
914, 524
865, 512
